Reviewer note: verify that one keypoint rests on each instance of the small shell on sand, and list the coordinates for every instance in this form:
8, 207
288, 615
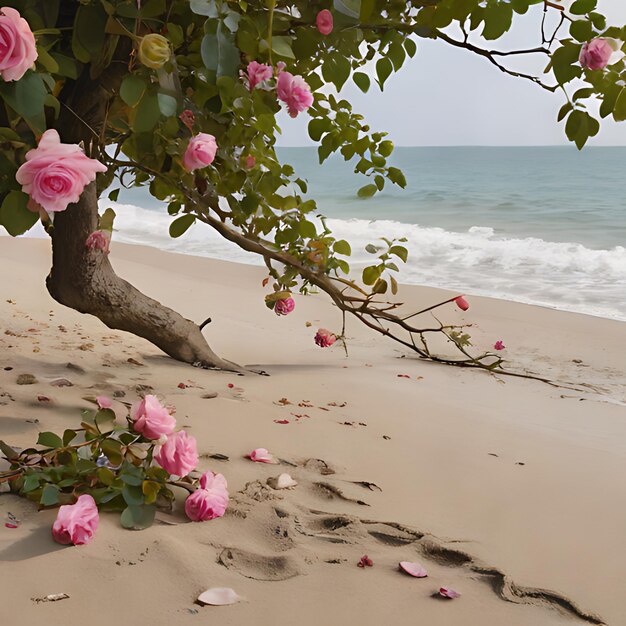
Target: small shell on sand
219, 596
283, 481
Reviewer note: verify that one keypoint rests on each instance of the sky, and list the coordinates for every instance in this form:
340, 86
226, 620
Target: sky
448, 96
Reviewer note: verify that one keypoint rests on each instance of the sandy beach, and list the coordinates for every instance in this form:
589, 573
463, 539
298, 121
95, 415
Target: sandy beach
508, 490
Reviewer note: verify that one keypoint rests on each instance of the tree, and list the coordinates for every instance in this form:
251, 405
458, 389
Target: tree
182, 97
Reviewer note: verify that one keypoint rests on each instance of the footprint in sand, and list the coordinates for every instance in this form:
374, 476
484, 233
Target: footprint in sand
257, 566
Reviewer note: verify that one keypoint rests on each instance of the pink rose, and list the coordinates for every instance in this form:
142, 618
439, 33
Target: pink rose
324, 21
210, 501
499, 345
56, 173
200, 152
284, 306
98, 240
324, 338
250, 161
462, 303
257, 73
179, 454
17, 45
595, 54
152, 419
294, 92
76, 523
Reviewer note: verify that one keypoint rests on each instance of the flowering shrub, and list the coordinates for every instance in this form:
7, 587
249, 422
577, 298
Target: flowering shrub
105, 465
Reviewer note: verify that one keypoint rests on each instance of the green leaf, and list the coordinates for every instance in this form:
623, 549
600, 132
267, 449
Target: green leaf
619, 110
132, 494
204, 7
112, 449
147, 113
106, 476
342, 247
411, 47
49, 495
68, 436
367, 191
46, 60
307, 229
50, 440
31, 482
384, 68
181, 224
498, 18
581, 30
319, 126
132, 89
362, 81
14, 215
564, 63
394, 285
27, 98
367, 8
219, 52
371, 274
400, 251
89, 31
282, 46
167, 104
581, 7
385, 148
113, 195
105, 420
138, 517
565, 109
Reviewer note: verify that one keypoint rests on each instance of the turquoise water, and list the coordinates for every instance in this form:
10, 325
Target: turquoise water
540, 225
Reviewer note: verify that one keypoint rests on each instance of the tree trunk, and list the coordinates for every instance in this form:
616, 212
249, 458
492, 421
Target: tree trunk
84, 280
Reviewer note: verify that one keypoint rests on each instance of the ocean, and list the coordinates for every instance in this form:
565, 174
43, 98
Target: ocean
543, 225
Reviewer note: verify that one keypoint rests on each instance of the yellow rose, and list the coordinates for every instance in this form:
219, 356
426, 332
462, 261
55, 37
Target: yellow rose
154, 51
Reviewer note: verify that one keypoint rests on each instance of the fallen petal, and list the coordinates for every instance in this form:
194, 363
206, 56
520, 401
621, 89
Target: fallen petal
284, 481
219, 596
261, 455
365, 561
413, 569
281, 421
446, 592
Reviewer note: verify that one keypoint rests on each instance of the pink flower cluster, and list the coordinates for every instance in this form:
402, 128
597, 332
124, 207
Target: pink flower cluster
324, 22
98, 240
56, 173
324, 338
179, 454
596, 54
76, 523
284, 306
210, 501
292, 90
152, 419
200, 152
258, 73
18, 50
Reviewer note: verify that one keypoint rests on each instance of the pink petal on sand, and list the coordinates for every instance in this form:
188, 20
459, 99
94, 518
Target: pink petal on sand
261, 455
413, 569
365, 561
446, 592
104, 402
219, 596
281, 421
